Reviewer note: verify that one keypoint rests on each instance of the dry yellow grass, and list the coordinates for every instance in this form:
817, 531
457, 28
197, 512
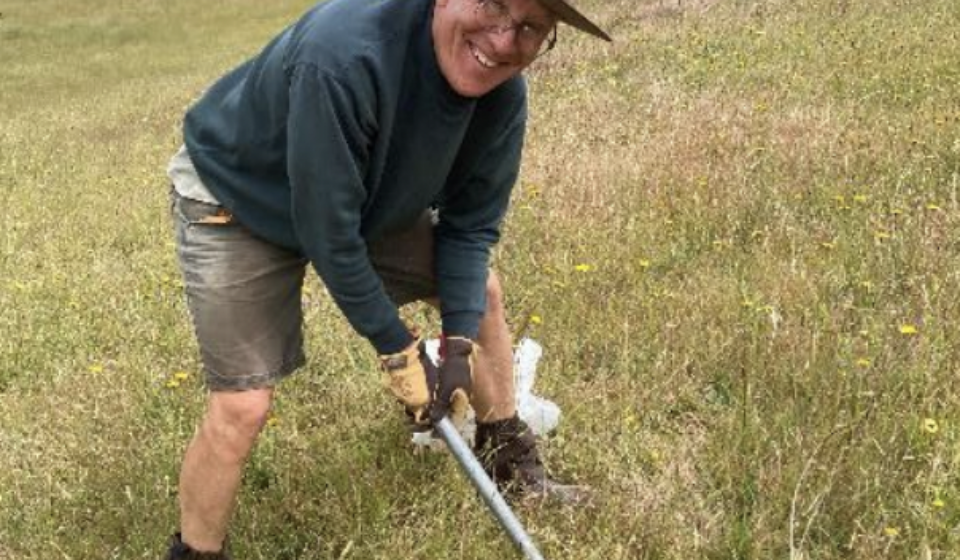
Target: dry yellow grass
736, 227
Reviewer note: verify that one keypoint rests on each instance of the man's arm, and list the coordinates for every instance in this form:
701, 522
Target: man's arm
328, 138
469, 226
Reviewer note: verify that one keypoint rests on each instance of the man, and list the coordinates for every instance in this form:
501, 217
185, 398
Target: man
378, 141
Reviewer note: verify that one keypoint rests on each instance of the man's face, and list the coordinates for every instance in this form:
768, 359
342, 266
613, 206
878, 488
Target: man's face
475, 59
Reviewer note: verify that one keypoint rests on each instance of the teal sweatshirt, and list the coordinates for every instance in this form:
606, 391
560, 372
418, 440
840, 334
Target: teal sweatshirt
342, 130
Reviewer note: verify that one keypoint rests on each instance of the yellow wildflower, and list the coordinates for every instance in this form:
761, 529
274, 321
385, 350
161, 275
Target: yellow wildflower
891, 532
583, 268
938, 503
908, 329
172, 384
181, 376
644, 263
933, 207
930, 426
860, 198
273, 421
536, 320
96, 368
863, 362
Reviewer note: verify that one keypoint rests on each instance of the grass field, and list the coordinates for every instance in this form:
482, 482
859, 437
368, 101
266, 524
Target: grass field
736, 237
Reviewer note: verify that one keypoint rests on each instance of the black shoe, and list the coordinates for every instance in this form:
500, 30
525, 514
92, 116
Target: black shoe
507, 449
181, 551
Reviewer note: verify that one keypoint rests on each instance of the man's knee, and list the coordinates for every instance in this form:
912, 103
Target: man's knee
494, 294
234, 419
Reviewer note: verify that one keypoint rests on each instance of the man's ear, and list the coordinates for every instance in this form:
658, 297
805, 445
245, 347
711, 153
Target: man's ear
442, 3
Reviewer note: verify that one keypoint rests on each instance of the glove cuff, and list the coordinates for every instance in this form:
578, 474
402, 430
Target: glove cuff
403, 358
456, 346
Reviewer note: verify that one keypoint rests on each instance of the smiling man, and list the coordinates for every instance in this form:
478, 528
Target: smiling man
377, 141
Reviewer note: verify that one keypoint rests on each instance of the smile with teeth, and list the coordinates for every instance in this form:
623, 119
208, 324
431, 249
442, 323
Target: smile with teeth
481, 58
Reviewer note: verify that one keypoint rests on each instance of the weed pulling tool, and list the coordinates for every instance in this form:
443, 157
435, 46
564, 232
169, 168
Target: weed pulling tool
488, 490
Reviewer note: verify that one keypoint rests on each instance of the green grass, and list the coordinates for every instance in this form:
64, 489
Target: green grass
766, 195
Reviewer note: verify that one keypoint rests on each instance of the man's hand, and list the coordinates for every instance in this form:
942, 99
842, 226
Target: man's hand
457, 356
411, 377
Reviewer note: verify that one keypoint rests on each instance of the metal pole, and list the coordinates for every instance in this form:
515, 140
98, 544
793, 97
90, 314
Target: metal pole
488, 490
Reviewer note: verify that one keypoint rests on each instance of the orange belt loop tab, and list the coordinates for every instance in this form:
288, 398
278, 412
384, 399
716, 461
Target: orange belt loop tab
223, 216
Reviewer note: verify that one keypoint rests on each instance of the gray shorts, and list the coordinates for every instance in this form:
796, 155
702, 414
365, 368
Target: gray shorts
244, 293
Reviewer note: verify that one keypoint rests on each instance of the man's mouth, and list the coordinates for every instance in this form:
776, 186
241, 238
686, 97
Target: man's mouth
481, 58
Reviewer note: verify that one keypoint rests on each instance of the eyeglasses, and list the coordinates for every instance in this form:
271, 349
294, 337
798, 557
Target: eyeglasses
533, 39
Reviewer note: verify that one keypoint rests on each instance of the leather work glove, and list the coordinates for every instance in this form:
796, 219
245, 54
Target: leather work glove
411, 377
457, 357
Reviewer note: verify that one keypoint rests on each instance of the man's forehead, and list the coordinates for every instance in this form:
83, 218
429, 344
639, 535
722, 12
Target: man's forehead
530, 8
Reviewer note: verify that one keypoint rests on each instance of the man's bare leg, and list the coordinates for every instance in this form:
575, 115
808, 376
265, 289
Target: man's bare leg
493, 389
213, 465
500, 433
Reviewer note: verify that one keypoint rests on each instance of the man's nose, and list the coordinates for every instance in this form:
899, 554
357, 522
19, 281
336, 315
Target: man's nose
505, 40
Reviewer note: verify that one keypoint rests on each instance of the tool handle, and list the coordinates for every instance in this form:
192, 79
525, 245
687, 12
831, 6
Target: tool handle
488, 490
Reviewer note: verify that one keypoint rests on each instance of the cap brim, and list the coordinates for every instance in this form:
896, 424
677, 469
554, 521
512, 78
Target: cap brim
569, 15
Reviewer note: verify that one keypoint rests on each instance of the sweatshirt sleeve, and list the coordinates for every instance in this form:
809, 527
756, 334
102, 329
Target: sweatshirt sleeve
469, 226
327, 153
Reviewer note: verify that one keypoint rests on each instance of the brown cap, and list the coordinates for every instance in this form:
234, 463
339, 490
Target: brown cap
569, 15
